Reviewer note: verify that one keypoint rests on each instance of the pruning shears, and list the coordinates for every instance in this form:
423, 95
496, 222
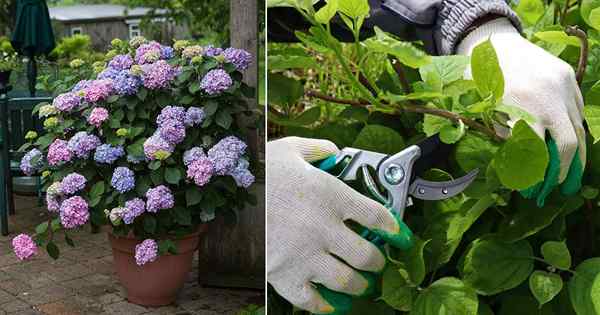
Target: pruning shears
398, 175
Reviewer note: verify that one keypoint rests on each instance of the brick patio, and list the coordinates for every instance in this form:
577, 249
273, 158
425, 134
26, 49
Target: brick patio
82, 281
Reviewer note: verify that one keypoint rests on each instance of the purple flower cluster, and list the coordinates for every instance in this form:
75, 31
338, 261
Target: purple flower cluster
242, 176
108, 74
59, 152
168, 113
126, 83
121, 62
172, 131
24, 246
167, 52
159, 198
148, 53
216, 81
82, 143
26, 165
192, 154
226, 153
74, 212
211, 51
123, 179
66, 102
98, 90
158, 75
194, 116
200, 171
81, 85
146, 252
135, 207
238, 57
97, 116
72, 183
108, 154
156, 144
54, 197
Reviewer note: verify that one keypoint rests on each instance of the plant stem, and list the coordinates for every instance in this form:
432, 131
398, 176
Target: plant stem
415, 109
583, 54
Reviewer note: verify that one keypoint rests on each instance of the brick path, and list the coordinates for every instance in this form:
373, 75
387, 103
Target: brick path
82, 281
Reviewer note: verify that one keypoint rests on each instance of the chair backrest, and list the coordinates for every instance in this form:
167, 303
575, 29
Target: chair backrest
21, 120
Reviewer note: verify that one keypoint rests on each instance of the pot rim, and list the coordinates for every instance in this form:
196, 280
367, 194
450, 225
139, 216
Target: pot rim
201, 229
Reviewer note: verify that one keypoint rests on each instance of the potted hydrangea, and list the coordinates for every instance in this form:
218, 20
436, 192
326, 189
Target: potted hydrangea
147, 145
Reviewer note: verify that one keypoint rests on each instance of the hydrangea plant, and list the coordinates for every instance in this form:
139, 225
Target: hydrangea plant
147, 144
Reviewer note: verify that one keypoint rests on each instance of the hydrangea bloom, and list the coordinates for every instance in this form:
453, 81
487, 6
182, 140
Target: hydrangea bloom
53, 203
159, 198
212, 51
108, 73
121, 62
123, 179
97, 116
72, 183
47, 110
54, 189
242, 176
126, 83
156, 144
148, 53
238, 57
98, 90
26, 164
66, 102
74, 212
24, 246
172, 131
135, 207
158, 75
81, 85
216, 81
171, 113
226, 153
167, 52
192, 155
146, 252
58, 152
200, 171
194, 116
115, 215
192, 51
82, 143
108, 154
137, 41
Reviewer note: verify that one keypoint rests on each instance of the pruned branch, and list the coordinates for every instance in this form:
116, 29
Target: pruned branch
412, 108
584, 52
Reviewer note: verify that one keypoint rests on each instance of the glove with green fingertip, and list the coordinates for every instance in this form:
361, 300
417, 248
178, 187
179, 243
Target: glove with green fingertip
545, 86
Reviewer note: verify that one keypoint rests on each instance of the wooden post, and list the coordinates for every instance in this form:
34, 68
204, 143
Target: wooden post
234, 256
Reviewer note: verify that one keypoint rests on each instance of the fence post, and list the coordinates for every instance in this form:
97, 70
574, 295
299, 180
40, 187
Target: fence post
234, 256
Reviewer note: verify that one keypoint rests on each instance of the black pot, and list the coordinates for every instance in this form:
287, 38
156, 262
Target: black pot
5, 77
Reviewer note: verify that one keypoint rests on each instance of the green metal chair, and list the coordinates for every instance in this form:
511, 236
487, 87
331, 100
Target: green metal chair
16, 119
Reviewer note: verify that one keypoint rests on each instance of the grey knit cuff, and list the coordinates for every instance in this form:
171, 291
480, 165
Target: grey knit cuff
455, 17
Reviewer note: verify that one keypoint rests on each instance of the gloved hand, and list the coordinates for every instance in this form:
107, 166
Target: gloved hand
312, 254
545, 86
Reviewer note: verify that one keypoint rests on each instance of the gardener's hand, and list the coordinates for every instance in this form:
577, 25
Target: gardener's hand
544, 86
309, 246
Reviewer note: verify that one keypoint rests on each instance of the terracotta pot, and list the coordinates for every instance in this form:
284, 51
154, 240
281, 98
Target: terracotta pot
156, 283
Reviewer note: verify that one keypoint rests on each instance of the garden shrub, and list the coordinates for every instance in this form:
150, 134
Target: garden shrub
488, 250
147, 143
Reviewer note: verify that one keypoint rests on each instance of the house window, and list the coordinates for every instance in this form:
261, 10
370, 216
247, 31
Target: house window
76, 30
134, 30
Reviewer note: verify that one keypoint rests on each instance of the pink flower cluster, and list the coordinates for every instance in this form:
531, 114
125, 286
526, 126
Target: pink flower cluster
59, 152
99, 90
97, 116
24, 246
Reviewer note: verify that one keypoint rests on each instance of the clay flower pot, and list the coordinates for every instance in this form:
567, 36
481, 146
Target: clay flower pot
156, 283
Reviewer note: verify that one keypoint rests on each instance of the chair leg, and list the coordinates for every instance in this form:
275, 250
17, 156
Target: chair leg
9, 194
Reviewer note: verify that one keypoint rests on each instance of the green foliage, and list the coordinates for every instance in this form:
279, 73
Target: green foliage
488, 250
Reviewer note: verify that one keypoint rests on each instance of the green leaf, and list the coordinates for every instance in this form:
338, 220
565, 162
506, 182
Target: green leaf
379, 139
558, 37
356, 113
433, 124
451, 134
354, 8
284, 62
142, 94
446, 296
544, 286
224, 119
172, 175
284, 91
69, 241
211, 107
326, 13
587, 6
589, 192
530, 10
52, 250
194, 87
411, 262
474, 151
444, 70
183, 216
193, 196
486, 70
396, 290
97, 190
41, 228
516, 113
154, 165
405, 52
584, 287
186, 100
592, 117
557, 254
521, 161
150, 224
492, 266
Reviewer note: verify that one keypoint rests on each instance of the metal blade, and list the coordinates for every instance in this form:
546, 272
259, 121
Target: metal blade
426, 190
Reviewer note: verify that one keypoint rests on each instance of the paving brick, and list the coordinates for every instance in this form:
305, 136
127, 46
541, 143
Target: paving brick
46, 294
124, 308
15, 306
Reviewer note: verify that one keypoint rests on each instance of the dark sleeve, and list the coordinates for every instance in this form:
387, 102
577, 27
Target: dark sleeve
440, 24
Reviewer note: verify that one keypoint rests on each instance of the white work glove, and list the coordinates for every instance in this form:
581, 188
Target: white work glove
544, 86
308, 244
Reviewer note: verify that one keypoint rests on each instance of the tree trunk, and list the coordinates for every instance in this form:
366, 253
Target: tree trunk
234, 256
